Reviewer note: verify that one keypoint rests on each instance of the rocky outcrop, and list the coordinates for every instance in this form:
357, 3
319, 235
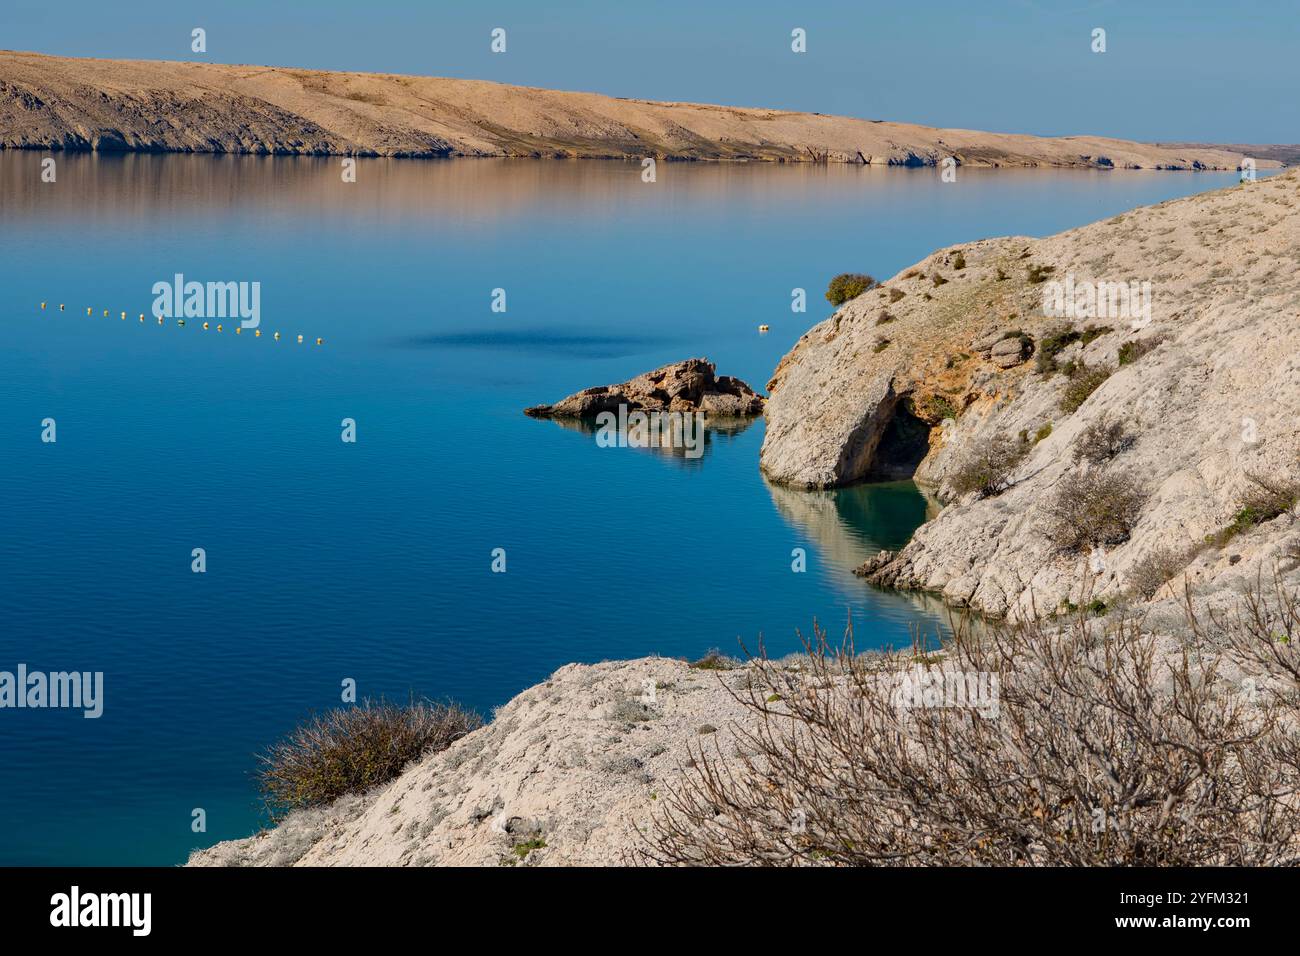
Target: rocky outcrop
51, 102
1206, 385
563, 775
689, 386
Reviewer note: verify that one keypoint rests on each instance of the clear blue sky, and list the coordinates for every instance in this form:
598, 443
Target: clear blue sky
1174, 69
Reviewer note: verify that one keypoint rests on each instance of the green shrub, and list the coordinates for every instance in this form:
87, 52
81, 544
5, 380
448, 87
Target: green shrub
881, 345
1051, 345
715, 660
528, 846
1092, 332
1083, 382
353, 749
940, 407
938, 280
1091, 508
986, 469
1043, 433
1038, 274
896, 294
848, 285
1130, 352
959, 261
1267, 499
884, 318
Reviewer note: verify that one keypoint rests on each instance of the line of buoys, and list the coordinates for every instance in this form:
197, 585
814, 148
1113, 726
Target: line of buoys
257, 333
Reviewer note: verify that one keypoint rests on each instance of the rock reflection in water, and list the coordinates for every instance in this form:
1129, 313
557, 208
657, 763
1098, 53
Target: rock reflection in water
668, 442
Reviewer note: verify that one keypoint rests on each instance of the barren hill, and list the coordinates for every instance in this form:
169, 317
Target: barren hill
49, 102
968, 348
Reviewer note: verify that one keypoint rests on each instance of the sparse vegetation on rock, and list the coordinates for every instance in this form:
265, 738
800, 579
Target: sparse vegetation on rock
1083, 381
1092, 507
1101, 441
353, 749
986, 469
847, 286
1106, 749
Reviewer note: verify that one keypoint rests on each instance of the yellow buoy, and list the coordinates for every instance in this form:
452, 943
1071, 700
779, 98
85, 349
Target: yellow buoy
218, 328
277, 336
123, 316
180, 321
257, 334
88, 310
42, 305
320, 341
205, 326
106, 313
300, 339
762, 328
141, 316
160, 320
60, 306
238, 329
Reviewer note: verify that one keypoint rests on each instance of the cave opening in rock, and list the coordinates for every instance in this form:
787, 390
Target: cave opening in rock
905, 442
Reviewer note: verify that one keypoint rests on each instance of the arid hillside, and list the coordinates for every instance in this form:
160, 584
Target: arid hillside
1117, 403
49, 102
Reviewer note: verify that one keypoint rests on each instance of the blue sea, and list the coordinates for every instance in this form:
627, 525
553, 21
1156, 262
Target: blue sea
372, 561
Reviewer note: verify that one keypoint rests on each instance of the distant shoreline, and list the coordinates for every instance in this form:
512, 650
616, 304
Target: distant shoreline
72, 104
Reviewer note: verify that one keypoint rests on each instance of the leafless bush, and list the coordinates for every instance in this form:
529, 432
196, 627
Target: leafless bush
1270, 497
1093, 507
1101, 441
986, 468
1104, 751
1157, 568
353, 749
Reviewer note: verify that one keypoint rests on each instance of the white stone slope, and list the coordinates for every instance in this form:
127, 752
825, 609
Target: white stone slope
577, 763
1217, 397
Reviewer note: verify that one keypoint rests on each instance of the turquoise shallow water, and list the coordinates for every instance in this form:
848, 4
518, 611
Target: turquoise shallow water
371, 560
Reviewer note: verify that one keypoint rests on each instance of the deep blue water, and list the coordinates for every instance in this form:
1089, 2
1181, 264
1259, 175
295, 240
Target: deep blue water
371, 560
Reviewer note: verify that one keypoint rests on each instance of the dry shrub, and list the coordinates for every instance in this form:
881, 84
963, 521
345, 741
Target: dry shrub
1269, 498
353, 749
1092, 507
1104, 751
1157, 568
987, 467
1101, 441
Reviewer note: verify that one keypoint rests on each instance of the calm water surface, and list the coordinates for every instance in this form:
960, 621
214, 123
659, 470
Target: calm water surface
371, 561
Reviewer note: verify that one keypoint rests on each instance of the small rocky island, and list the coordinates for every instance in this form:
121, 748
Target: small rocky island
689, 386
